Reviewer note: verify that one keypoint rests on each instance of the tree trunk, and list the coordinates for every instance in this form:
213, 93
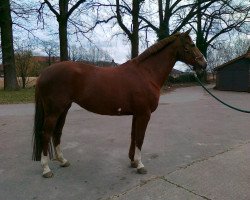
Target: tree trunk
200, 40
10, 80
23, 81
163, 31
63, 40
164, 17
49, 59
135, 33
63, 22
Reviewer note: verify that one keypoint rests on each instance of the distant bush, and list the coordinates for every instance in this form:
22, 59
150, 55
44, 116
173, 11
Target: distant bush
184, 78
37, 68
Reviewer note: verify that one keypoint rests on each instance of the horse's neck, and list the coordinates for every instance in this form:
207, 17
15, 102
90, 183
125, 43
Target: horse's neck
159, 65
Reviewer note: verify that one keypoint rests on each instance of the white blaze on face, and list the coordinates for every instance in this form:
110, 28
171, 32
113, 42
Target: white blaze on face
119, 109
44, 163
137, 158
59, 155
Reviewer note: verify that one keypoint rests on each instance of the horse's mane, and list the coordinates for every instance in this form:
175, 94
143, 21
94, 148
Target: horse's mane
156, 47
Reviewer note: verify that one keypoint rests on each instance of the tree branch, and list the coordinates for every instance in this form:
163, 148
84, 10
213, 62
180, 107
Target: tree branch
75, 7
149, 23
51, 8
119, 20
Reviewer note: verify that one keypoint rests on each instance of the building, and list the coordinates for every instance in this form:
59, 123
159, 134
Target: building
234, 75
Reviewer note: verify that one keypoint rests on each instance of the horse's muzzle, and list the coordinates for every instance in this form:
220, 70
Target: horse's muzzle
201, 62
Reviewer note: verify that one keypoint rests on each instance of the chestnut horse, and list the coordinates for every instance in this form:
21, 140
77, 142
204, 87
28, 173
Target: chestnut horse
133, 88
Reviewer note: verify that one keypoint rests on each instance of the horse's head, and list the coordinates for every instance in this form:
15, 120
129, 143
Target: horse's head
190, 54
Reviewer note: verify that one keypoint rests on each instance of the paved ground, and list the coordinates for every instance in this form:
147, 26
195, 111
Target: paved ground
195, 148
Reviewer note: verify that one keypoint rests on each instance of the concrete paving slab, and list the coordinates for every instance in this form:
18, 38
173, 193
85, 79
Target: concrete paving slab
157, 189
188, 126
221, 177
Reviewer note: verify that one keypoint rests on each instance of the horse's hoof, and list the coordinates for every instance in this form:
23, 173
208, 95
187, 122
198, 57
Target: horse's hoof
66, 164
142, 170
48, 174
133, 164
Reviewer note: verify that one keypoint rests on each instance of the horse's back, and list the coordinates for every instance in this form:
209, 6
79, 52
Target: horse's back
78, 80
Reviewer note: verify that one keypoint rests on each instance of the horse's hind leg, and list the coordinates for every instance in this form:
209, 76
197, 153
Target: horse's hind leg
49, 125
57, 138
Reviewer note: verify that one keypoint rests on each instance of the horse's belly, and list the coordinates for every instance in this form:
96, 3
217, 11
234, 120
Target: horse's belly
108, 111
106, 107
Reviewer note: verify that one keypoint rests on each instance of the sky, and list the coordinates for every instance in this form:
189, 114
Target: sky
103, 36
117, 47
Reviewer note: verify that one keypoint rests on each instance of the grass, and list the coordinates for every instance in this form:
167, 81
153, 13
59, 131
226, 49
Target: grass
20, 96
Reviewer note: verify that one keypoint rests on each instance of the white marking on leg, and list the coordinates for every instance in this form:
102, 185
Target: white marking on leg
59, 155
137, 158
44, 163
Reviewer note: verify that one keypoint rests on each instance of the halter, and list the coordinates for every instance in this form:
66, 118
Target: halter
198, 57
191, 51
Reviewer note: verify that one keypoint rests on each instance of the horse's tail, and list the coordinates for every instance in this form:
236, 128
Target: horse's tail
38, 130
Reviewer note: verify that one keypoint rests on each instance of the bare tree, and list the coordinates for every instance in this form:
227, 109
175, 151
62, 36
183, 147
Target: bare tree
62, 11
91, 54
172, 15
226, 51
209, 18
131, 30
23, 14
77, 53
23, 64
126, 15
10, 80
51, 48
216, 20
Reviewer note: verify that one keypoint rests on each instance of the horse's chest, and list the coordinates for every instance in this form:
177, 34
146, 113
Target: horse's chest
154, 102
146, 100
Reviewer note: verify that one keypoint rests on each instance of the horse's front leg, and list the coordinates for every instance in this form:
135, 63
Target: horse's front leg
139, 126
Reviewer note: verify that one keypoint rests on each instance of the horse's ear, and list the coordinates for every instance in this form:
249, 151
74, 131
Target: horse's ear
188, 31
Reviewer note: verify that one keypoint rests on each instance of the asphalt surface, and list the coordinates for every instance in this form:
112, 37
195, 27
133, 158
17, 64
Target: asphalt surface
195, 148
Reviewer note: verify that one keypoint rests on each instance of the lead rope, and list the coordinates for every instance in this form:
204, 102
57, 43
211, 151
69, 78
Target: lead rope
232, 107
